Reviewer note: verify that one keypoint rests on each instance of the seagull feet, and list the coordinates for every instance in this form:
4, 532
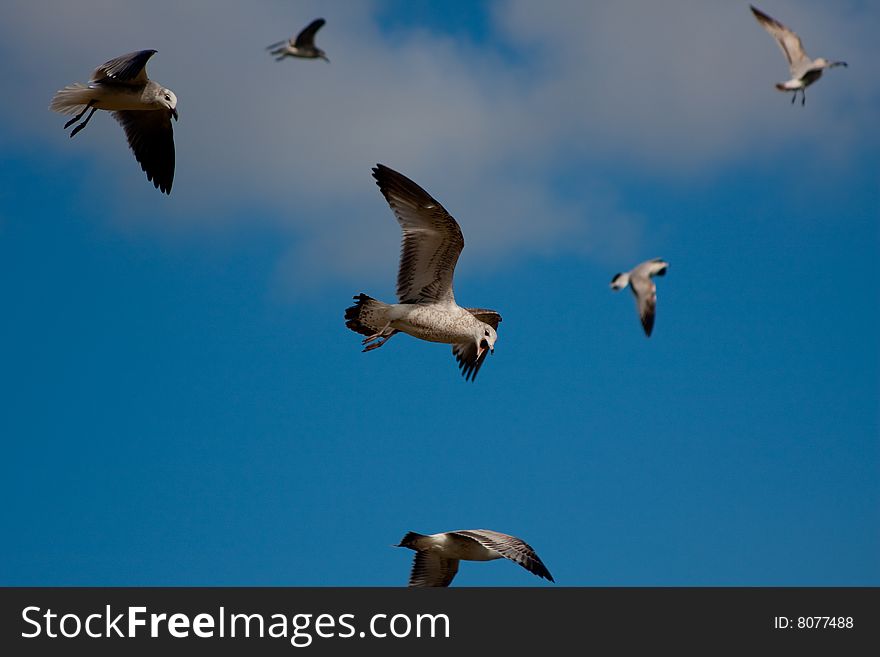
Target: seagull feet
83, 124
375, 345
78, 116
383, 336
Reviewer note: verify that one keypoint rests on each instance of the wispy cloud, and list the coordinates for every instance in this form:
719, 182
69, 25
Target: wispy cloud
671, 88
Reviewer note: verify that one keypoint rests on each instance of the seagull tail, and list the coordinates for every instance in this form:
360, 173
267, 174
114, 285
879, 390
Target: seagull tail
71, 99
790, 85
367, 316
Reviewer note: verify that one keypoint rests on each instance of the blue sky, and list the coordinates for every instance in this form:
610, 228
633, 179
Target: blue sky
183, 405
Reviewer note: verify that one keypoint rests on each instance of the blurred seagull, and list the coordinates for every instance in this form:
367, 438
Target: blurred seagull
426, 308
144, 109
437, 555
303, 46
639, 280
804, 71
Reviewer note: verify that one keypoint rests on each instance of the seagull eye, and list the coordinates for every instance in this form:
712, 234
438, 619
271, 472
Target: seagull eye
486, 334
168, 98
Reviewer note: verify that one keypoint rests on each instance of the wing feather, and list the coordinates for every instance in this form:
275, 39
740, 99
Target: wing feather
646, 301
306, 38
125, 68
429, 569
151, 139
468, 363
789, 42
431, 244
490, 317
509, 547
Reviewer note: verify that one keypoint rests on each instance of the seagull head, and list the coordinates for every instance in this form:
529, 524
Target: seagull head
821, 62
168, 100
620, 281
485, 338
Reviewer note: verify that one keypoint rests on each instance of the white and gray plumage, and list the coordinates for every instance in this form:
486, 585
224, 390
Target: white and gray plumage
144, 109
302, 46
426, 308
639, 280
437, 555
804, 71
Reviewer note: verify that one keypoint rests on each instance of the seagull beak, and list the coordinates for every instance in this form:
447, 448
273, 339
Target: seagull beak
174, 113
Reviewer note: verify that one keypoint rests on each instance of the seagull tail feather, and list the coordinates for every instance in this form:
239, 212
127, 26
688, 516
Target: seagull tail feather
71, 99
367, 316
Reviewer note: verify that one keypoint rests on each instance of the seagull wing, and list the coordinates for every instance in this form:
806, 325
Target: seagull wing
432, 240
125, 68
151, 139
466, 355
430, 569
646, 300
306, 38
490, 317
509, 547
789, 42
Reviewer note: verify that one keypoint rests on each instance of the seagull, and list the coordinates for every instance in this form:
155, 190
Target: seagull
144, 109
426, 308
437, 555
303, 46
804, 71
639, 280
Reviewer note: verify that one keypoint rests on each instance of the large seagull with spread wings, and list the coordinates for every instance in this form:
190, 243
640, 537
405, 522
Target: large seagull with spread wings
426, 308
144, 109
437, 555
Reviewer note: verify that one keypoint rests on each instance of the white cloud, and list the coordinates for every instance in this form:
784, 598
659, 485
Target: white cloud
670, 88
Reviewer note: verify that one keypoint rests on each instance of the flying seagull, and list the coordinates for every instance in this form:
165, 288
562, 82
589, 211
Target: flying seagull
437, 555
804, 71
303, 46
144, 109
639, 280
426, 308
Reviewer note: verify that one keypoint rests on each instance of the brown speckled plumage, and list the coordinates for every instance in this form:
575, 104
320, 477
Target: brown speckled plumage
426, 308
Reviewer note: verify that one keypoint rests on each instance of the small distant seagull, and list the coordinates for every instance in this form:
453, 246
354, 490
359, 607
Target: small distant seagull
432, 242
143, 108
804, 71
639, 280
303, 46
437, 555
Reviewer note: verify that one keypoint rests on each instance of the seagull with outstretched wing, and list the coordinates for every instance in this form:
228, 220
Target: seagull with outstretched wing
144, 109
437, 555
302, 46
639, 281
426, 308
804, 71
